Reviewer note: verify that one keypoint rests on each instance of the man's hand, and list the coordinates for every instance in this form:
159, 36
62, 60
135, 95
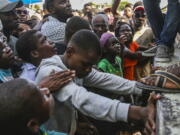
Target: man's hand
55, 81
150, 110
145, 114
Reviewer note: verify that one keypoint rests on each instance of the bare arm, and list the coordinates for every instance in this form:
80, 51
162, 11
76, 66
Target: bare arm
115, 5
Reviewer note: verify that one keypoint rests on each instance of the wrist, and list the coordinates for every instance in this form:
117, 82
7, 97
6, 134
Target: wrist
136, 113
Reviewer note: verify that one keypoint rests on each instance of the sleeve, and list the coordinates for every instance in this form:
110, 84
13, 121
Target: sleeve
102, 66
88, 103
111, 83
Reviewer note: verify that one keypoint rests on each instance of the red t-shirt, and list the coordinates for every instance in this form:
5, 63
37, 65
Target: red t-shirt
129, 64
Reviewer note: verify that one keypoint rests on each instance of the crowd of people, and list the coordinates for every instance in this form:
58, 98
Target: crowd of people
69, 73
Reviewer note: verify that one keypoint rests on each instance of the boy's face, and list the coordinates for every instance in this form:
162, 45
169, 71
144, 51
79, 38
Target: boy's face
22, 13
139, 18
100, 26
80, 60
21, 29
45, 110
128, 12
113, 46
62, 7
6, 56
45, 48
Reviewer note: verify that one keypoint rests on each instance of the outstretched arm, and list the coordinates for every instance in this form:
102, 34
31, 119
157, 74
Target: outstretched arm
115, 5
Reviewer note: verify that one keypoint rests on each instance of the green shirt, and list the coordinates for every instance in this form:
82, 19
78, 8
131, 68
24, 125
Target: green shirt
107, 67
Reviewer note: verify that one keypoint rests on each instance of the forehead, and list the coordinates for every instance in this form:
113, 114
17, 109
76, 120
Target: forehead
21, 8
86, 56
99, 20
113, 39
128, 9
125, 27
60, 1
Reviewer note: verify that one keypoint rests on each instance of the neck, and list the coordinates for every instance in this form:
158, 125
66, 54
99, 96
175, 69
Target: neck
59, 17
64, 60
110, 58
137, 28
36, 62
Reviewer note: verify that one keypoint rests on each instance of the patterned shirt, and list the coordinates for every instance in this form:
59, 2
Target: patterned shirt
54, 30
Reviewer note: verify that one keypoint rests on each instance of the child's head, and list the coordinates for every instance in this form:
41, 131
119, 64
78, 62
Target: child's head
83, 52
124, 29
23, 107
6, 55
110, 44
20, 28
32, 45
75, 24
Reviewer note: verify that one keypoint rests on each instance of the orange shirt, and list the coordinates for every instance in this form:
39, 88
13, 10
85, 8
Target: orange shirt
129, 64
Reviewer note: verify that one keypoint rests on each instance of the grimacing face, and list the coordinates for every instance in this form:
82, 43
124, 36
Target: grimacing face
81, 61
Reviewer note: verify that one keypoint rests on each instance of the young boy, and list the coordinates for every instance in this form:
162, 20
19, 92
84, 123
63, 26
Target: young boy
82, 53
6, 60
24, 108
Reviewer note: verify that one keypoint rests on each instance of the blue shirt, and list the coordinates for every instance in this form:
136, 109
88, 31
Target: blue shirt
29, 71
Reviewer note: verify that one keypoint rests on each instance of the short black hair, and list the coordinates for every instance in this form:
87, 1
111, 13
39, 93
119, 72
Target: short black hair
25, 44
87, 4
128, 5
20, 101
48, 4
138, 3
118, 26
75, 24
87, 41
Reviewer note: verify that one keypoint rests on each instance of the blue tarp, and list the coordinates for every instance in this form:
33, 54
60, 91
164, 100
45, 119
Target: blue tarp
28, 1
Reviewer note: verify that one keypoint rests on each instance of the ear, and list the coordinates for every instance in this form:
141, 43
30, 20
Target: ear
33, 125
35, 54
70, 51
51, 8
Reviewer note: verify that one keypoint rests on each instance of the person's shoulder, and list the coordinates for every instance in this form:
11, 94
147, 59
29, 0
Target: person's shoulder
45, 132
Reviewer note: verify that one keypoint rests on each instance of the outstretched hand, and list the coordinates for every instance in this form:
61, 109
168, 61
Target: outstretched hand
55, 81
150, 110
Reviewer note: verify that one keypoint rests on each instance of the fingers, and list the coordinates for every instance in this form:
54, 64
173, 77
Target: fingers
153, 98
149, 129
63, 74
